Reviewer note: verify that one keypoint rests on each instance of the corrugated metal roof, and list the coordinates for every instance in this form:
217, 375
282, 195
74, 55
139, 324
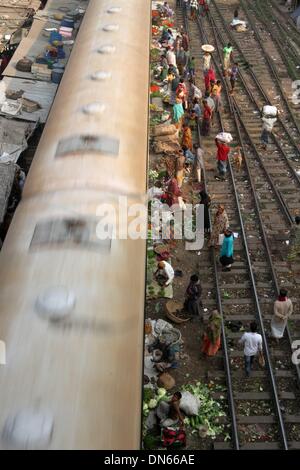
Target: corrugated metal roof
41, 92
62, 6
13, 136
21, 3
13, 131
32, 46
7, 173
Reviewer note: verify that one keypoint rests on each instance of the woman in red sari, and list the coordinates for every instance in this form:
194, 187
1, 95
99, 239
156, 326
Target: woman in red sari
206, 121
209, 77
212, 337
204, 7
173, 192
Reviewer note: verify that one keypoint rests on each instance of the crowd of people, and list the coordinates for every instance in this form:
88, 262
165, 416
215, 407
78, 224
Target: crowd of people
191, 106
194, 101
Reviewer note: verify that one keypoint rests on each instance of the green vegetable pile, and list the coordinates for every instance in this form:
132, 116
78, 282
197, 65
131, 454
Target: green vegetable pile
151, 399
209, 413
156, 94
206, 423
153, 175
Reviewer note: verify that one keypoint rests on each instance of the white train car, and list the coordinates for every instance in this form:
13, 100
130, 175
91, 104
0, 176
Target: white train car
72, 305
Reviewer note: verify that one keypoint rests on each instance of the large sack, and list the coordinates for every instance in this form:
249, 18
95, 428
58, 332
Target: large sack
149, 368
270, 110
241, 28
151, 420
171, 138
161, 326
189, 404
164, 129
165, 380
162, 411
224, 137
165, 147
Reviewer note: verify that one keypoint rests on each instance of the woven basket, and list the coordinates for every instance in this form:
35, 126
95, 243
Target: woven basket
172, 306
159, 249
165, 380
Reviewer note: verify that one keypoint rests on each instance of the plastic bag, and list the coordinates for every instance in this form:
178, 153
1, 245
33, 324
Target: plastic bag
224, 137
189, 404
270, 111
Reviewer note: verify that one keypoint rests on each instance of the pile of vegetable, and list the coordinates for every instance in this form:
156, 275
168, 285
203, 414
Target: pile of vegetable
155, 30
152, 398
167, 23
154, 88
156, 109
207, 422
156, 94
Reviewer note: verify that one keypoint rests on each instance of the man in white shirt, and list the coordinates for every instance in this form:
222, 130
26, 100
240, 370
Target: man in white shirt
171, 57
252, 342
165, 270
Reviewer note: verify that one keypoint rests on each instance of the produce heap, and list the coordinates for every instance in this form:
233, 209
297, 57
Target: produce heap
207, 423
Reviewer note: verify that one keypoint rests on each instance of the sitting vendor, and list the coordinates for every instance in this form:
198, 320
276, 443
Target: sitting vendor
164, 273
170, 412
167, 10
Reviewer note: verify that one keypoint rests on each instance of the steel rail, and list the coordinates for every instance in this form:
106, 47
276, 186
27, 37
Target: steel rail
286, 18
275, 140
270, 63
235, 111
247, 89
260, 10
231, 402
277, 193
258, 108
254, 77
253, 283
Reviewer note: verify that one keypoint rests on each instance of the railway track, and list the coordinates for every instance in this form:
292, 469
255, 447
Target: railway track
263, 409
285, 41
288, 24
256, 52
280, 161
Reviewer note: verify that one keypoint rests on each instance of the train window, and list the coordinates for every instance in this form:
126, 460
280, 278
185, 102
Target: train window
70, 232
88, 143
